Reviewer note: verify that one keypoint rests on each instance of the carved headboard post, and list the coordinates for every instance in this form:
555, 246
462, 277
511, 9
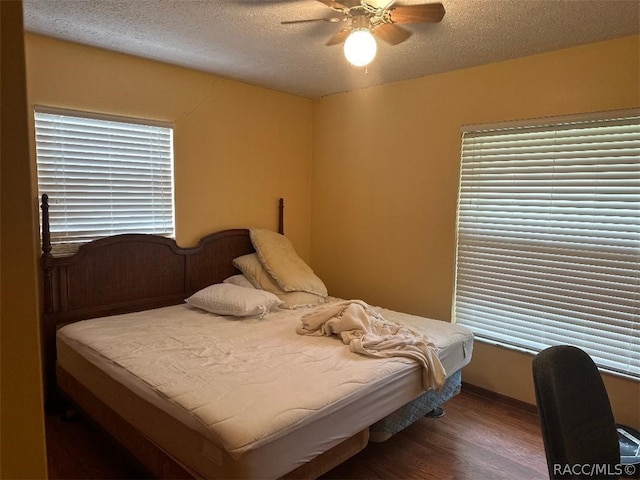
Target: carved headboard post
46, 232
281, 216
48, 325
46, 255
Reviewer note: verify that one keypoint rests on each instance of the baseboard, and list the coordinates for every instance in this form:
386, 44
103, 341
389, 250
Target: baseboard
498, 397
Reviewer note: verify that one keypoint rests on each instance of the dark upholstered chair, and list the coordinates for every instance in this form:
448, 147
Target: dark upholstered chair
577, 424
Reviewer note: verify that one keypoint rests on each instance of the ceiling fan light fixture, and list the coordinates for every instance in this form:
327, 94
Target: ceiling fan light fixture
360, 47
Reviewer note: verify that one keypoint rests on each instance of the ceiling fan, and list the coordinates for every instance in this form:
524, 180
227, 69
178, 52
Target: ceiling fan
365, 18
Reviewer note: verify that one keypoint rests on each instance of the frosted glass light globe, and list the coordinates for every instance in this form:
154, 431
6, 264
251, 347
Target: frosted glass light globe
360, 47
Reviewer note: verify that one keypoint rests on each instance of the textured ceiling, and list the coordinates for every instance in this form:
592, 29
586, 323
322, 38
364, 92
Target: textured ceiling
244, 40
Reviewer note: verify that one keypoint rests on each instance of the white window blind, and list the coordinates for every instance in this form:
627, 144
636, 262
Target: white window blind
548, 248
104, 176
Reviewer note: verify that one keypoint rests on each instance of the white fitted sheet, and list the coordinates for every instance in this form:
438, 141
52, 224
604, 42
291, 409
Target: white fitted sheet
254, 387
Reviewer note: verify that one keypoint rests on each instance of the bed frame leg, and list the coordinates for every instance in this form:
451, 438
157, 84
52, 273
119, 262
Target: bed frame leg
437, 412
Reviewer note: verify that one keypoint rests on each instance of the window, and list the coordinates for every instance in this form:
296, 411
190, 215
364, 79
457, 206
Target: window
548, 248
104, 176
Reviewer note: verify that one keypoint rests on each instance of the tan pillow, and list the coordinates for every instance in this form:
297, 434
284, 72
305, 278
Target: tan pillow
293, 300
239, 280
252, 269
283, 264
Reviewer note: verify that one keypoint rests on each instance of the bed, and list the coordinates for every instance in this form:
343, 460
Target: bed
193, 394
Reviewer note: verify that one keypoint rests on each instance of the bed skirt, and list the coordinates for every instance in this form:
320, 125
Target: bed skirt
412, 411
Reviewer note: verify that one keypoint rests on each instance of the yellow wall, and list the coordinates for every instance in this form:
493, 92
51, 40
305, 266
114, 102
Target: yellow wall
22, 441
385, 179
237, 148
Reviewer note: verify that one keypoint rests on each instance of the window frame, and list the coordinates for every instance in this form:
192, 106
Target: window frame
62, 246
552, 122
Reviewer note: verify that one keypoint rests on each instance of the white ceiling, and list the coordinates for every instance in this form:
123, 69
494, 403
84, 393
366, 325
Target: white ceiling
244, 40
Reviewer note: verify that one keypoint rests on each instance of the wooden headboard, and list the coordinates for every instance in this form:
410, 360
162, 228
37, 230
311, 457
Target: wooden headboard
129, 273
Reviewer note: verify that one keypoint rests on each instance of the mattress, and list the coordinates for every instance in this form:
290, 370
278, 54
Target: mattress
251, 397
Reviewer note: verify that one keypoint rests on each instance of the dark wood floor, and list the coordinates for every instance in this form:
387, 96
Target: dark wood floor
478, 438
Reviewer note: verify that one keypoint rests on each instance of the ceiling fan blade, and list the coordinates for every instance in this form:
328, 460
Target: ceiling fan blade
328, 19
339, 37
425, 13
392, 33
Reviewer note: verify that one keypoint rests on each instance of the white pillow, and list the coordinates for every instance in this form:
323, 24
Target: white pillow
279, 258
228, 299
239, 280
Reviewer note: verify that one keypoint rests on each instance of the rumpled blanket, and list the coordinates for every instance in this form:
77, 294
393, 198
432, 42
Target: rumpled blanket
368, 333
